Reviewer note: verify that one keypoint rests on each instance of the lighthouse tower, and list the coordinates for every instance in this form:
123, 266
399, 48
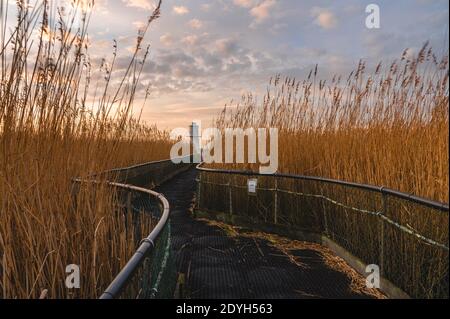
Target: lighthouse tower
196, 138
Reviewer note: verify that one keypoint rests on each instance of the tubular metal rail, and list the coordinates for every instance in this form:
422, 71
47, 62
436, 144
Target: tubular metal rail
150, 260
147, 245
383, 190
407, 236
147, 174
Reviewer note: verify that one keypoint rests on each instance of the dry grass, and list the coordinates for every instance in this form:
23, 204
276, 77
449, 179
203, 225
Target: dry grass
387, 126
287, 245
51, 132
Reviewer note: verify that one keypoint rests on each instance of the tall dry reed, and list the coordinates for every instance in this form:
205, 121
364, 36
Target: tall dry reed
51, 130
387, 126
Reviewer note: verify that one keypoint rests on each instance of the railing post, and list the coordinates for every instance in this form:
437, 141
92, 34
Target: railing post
384, 211
325, 220
129, 202
199, 188
230, 197
275, 211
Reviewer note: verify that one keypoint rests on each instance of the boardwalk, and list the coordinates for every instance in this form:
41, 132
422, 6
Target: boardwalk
217, 264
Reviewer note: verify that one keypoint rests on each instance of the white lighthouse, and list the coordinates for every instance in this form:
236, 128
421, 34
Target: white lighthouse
196, 140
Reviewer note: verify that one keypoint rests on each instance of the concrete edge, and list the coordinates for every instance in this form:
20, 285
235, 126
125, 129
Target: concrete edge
387, 287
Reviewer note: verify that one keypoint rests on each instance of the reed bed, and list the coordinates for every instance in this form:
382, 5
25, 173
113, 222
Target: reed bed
386, 127
52, 130
297, 208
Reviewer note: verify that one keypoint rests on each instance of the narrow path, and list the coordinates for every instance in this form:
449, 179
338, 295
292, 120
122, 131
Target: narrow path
217, 264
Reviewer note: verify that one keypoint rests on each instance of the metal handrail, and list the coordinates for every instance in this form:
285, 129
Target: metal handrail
382, 190
395, 261
147, 244
121, 169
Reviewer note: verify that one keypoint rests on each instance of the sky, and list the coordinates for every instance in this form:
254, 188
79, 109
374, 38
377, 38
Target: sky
205, 53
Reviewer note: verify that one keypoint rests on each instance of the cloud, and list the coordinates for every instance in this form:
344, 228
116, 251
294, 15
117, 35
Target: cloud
259, 10
166, 39
186, 61
244, 3
262, 10
142, 4
190, 39
139, 24
386, 44
324, 18
226, 46
277, 27
100, 6
195, 24
206, 7
180, 10
175, 57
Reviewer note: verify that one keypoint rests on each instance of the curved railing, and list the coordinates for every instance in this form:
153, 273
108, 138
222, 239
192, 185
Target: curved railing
382, 190
405, 235
144, 273
146, 246
146, 175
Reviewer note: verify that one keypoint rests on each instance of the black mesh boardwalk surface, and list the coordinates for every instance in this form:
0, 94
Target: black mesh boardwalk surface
217, 265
